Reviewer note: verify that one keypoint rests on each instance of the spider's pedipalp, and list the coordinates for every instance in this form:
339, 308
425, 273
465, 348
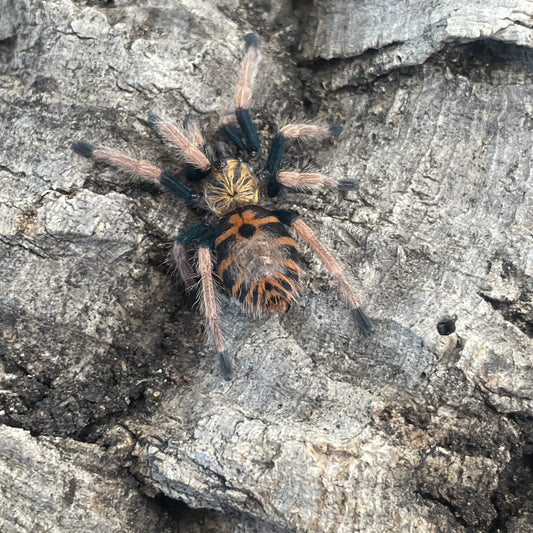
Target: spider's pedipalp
192, 127
248, 129
178, 137
210, 307
232, 134
227, 127
333, 267
176, 186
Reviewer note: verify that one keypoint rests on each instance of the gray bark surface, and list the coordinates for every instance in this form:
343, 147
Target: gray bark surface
75, 487
107, 391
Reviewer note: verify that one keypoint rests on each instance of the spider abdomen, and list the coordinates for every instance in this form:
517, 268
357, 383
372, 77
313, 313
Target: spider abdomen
257, 259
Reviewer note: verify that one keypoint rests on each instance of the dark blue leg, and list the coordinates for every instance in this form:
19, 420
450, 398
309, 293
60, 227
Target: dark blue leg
273, 163
279, 143
128, 164
210, 309
196, 232
195, 174
336, 271
183, 268
248, 129
232, 134
244, 92
176, 186
285, 216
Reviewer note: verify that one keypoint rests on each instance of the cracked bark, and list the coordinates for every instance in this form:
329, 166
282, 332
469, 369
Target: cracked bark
102, 364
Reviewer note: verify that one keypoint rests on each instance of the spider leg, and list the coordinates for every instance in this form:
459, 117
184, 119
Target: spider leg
304, 180
183, 267
135, 166
243, 94
229, 130
189, 140
277, 148
192, 129
334, 268
210, 308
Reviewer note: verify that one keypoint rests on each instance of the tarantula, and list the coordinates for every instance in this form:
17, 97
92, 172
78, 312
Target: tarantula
254, 255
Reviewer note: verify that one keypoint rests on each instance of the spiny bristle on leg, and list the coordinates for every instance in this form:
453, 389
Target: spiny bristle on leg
232, 134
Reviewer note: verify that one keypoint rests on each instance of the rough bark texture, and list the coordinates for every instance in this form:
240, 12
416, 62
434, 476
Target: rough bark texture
102, 363
75, 487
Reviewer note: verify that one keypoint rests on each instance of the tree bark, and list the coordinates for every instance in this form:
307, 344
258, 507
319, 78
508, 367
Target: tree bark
423, 426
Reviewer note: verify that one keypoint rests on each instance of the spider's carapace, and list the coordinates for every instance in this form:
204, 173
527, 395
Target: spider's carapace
251, 248
231, 184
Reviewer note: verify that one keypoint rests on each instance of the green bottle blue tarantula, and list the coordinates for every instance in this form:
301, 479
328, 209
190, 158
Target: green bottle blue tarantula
254, 255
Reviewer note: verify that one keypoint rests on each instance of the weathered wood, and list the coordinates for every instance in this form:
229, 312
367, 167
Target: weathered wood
321, 429
60, 485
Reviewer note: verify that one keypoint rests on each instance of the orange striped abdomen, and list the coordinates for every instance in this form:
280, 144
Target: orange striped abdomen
257, 259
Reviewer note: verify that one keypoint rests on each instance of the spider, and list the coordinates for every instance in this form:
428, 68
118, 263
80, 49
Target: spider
248, 247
